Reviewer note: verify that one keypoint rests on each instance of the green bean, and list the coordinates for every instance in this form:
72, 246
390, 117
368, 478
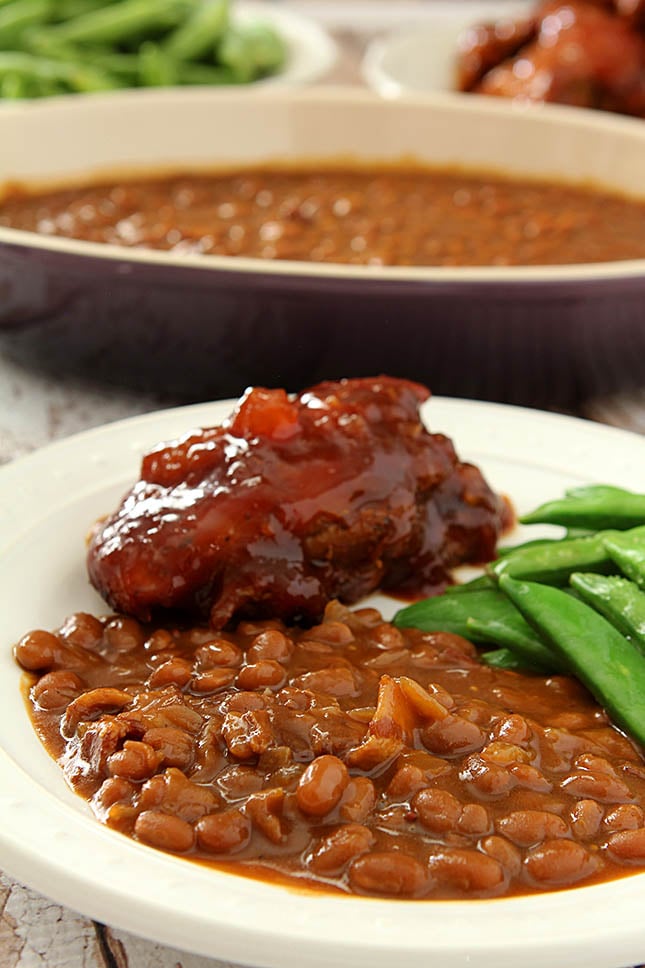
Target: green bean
505, 659
156, 67
554, 563
121, 21
63, 10
597, 506
609, 665
512, 632
204, 74
627, 550
14, 87
78, 77
618, 599
19, 16
251, 51
199, 32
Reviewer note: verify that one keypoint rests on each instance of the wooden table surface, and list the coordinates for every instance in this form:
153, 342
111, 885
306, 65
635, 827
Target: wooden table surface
34, 931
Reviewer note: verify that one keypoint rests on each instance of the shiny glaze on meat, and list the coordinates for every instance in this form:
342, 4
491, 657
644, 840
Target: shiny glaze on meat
351, 756
585, 54
292, 502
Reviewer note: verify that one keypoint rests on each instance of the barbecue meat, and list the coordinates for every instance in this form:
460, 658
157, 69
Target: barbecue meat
582, 53
292, 502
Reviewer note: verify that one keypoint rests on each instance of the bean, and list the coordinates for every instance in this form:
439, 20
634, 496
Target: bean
627, 846
199, 32
120, 21
505, 754
271, 644
530, 827
136, 761
407, 780
453, 736
469, 871
123, 634
82, 630
37, 650
505, 853
174, 793
163, 831
17, 17
438, 810
611, 667
260, 675
321, 786
625, 817
486, 779
596, 786
217, 653
474, 820
212, 681
56, 689
557, 863
620, 601
174, 672
513, 729
388, 873
337, 849
596, 507
223, 833
586, 816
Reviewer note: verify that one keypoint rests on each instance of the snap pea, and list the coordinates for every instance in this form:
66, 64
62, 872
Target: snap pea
602, 658
476, 584
597, 507
627, 550
484, 616
618, 599
204, 74
505, 659
200, 31
505, 550
509, 630
553, 563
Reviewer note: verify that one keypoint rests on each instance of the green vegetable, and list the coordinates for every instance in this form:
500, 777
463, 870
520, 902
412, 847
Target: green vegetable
156, 67
553, 563
609, 665
509, 630
43, 72
596, 507
200, 31
505, 659
476, 584
627, 550
17, 17
484, 616
618, 599
120, 21
251, 51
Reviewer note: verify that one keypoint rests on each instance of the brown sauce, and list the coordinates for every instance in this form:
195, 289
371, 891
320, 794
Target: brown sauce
351, 756
403, 216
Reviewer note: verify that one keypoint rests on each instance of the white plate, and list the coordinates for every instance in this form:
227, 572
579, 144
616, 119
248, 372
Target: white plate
423, 58
49, 840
